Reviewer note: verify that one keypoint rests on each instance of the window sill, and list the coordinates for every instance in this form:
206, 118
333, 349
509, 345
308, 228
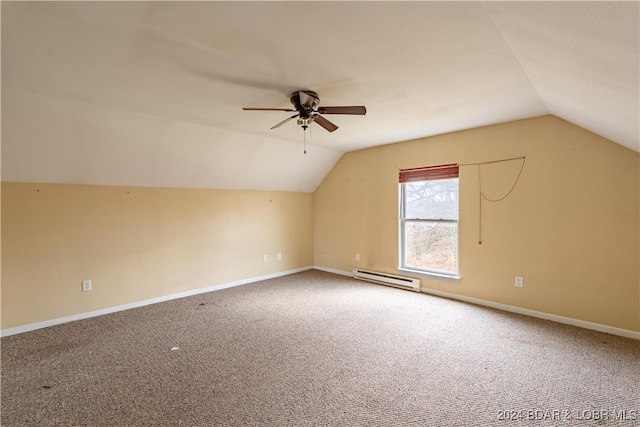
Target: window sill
433, 276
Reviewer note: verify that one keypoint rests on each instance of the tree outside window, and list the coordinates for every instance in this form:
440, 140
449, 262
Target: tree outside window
429, 225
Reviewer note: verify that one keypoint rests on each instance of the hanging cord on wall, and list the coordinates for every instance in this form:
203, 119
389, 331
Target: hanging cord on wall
524, 159
481, 194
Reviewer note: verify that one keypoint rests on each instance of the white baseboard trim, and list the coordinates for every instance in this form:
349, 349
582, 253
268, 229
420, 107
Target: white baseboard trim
538, 314
518, 310
333, 270
44, 324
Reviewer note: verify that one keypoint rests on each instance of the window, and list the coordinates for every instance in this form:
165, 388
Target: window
429, 219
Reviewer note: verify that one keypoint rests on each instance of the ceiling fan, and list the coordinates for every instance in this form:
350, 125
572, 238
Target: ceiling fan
307, 110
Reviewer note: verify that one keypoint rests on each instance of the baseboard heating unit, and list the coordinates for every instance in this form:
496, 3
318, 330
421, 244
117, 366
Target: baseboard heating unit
408, 283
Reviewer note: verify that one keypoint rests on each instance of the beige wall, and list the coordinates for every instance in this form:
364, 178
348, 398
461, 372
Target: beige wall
139, 243
570, 227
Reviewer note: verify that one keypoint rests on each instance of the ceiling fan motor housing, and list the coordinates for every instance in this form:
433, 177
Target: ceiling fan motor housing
305, 102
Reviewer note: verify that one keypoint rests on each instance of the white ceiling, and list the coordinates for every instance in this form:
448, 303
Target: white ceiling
150, 93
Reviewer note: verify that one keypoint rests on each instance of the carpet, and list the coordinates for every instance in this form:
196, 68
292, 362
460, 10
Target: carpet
318, 349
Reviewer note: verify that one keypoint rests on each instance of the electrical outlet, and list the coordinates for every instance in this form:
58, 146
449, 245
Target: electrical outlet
266, 258
357, 257
279, 256
86, 285
519, 282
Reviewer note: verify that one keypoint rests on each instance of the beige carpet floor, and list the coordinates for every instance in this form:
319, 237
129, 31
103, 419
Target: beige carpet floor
317, 349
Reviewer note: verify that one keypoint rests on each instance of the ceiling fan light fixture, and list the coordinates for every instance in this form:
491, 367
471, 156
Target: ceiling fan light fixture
305, 121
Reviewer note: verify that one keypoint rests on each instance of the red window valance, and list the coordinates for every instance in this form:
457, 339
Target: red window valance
429, 173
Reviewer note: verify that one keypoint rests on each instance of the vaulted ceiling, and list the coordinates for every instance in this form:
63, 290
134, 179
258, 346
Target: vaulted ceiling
151, 93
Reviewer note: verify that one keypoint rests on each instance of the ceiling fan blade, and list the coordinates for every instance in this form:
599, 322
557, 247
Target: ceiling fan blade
324, 123
267, 109
285, 121
359, 110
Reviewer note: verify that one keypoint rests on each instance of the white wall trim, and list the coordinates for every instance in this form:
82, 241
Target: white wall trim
333, 270
44, 324
532, 313
518, 310
538, 314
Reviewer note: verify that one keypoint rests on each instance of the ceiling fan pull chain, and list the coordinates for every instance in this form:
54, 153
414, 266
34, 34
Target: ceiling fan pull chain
304, 130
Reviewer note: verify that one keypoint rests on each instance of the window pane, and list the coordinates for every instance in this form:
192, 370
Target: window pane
431, 199
431, 245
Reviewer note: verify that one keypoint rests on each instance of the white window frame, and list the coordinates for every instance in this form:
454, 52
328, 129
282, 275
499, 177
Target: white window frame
437, 274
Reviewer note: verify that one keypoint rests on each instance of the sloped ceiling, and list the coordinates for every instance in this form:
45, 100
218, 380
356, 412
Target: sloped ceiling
150, 93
